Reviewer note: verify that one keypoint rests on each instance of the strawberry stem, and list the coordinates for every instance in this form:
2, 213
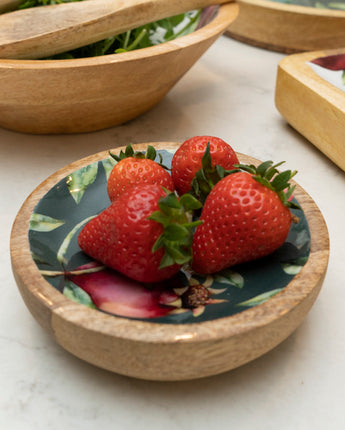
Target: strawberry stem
150, 154
268, 175
207, 177
175, 215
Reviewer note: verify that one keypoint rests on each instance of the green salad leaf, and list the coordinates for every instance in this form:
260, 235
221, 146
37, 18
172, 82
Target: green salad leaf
145, 36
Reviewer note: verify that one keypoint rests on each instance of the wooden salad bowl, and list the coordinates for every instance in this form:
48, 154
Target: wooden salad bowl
288, 28
180, 346
88, 94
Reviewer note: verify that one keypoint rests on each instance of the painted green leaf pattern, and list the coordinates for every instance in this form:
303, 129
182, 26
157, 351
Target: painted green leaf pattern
318, 4
261, 298
293, 268
67, 240
330, 5
80, 180
229, 277
44, 223
37, 259
108, 165
73, 292
302, 237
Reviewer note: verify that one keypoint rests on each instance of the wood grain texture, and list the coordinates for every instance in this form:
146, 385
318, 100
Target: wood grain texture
288, 28
45, 31
82, 95
311, 105
163, 351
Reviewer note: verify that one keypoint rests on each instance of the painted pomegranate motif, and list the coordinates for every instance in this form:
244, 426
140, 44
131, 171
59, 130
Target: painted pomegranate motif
114, 293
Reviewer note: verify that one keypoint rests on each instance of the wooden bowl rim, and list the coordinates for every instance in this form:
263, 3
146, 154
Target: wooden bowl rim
149, 332
303, 10
226, 14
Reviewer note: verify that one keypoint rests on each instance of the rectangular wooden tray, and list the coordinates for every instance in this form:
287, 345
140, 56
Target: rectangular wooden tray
311, 104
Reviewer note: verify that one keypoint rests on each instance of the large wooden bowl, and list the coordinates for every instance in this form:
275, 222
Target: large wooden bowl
288, 28
81, 95
175, 349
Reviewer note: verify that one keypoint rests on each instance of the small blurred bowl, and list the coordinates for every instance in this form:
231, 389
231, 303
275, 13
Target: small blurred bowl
88, 94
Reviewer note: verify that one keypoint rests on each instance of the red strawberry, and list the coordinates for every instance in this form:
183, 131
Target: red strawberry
246, 216
135, 168
187, 160
140, 234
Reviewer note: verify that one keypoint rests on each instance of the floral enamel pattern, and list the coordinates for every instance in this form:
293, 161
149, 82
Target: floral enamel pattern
331, 68
318, 4
186, 298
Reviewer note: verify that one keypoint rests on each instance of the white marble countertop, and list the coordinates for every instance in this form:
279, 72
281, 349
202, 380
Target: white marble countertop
299, 385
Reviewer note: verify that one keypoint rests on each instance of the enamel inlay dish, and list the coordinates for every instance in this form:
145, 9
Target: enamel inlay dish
60, 215
148, 331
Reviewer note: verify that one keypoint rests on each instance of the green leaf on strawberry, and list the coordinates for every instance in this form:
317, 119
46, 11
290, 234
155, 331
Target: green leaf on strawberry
146, 234
191, 158
175, 215
268, 175
208, 176
134, 168
150, 154
246, 216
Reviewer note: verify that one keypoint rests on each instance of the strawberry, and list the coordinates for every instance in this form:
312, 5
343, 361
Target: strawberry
135, 168
187, 160
145, 233
246, 216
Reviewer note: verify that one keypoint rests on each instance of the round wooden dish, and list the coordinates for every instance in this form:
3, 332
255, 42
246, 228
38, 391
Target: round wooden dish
288, 28
82, 95
237, 327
